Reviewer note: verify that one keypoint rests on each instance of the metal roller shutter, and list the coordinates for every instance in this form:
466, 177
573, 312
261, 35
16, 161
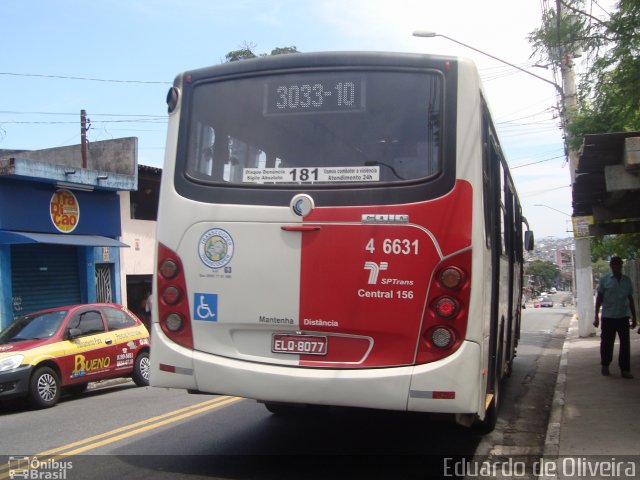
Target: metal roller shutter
44, 276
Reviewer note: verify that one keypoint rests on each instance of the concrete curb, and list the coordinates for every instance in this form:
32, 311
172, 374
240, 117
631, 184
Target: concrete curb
552, 439
107, 383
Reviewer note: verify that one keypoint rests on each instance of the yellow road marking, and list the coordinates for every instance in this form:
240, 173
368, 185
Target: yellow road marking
128, 431
202, 405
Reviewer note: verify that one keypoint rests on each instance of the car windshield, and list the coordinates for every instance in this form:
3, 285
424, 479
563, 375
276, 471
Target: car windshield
33, 327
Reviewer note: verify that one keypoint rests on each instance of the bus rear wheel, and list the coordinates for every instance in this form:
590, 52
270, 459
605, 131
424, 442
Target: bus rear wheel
283, 408
488, 424
278, 408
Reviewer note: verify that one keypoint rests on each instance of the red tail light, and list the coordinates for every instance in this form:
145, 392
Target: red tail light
446, 307
171, 295
445, 321
173, 305
451, 277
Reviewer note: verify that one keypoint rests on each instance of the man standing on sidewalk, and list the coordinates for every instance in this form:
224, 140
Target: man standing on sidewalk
615, 297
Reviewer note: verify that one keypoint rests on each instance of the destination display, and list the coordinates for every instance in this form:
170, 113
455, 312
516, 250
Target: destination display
314, 95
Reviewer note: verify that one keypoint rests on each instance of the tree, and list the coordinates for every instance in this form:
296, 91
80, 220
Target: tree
600, 267
546, 273
608, 97
608, 93
246, 51
626, 246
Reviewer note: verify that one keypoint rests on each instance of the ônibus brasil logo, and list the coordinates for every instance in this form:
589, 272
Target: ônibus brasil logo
33, 468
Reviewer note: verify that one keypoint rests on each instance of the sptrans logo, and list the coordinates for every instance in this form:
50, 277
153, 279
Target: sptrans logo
374, 270
64, 210
215, 248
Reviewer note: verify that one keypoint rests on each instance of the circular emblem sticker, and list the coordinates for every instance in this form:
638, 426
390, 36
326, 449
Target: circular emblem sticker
64, 210
215, 248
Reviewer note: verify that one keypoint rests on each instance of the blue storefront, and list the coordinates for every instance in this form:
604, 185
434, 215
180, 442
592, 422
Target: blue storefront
58, 243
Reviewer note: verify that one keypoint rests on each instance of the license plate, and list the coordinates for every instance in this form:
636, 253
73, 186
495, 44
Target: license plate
298, 344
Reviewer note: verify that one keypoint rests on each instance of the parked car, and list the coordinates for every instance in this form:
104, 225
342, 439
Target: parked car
65, 348
546, 302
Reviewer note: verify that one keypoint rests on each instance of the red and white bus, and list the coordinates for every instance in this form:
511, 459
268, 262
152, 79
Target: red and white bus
338, 229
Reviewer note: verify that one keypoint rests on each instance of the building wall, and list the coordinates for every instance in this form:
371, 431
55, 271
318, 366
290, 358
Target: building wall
35, 210
632, 270
140, 235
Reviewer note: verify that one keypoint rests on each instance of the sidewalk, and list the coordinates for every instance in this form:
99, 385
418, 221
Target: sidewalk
593, 414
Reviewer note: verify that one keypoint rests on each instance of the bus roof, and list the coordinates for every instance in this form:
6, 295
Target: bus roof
324, 59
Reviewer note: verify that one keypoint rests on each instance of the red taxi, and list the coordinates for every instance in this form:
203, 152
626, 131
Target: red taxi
65, 348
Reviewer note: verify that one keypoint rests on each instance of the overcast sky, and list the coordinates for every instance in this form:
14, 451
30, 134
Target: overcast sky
116, 59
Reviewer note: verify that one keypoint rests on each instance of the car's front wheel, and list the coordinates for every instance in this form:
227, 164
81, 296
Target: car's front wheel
142, 370
44, 388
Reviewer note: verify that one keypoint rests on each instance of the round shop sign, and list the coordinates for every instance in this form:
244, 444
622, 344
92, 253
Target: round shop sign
65, 211
215, 248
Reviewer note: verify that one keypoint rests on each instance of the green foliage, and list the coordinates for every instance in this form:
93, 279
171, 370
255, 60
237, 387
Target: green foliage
600, 268
546, 273
558, 37
608, 93
241, 54
626, 246
247, 51
284, 50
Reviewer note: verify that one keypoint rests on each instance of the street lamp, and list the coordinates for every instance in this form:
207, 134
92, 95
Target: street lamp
426, 34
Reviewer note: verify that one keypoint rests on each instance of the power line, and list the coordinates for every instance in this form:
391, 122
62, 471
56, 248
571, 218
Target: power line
15, 112
141, 120
88, 79
535, 163
539, 192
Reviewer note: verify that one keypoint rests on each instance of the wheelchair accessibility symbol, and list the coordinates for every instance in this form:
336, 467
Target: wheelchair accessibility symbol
205, 307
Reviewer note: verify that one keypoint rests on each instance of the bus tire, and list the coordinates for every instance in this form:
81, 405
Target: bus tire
281, 408
44, 388
488, 424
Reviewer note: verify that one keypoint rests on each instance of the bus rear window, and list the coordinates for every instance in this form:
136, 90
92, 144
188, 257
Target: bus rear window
316, 128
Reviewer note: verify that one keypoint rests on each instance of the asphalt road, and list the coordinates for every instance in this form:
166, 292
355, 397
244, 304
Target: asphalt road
146, 433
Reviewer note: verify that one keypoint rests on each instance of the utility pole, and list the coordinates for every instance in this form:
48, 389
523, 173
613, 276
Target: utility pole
583, 271
83, 137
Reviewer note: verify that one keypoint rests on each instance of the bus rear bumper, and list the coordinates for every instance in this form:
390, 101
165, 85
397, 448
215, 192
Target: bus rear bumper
451, 385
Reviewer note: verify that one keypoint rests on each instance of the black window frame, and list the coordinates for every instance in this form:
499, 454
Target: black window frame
328, 195
107, 313
76, 322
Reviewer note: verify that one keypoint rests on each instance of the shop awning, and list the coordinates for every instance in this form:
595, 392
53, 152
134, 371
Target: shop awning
8, 237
